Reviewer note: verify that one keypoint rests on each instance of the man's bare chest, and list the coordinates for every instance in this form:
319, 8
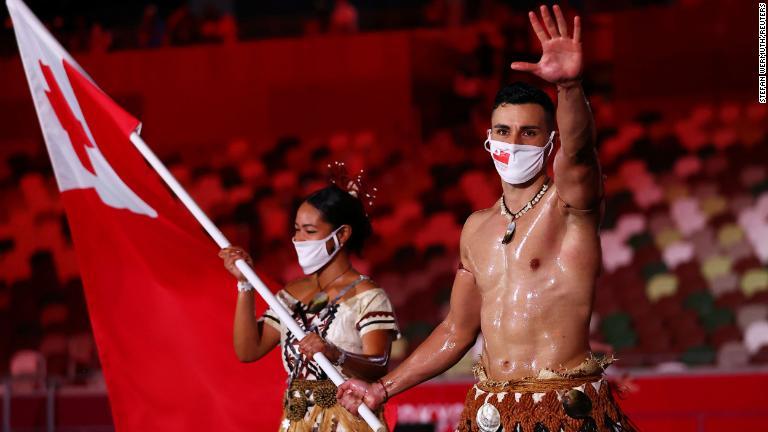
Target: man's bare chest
533, 250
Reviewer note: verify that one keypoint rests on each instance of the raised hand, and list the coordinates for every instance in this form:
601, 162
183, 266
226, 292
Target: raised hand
561, 58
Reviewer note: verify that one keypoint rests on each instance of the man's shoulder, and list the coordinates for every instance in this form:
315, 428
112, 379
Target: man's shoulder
475, 222
476, 219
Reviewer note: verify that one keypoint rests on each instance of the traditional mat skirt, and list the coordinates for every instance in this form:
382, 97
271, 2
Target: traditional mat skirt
571, 402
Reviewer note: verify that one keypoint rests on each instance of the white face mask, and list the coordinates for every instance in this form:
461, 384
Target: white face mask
313, 254
518, 163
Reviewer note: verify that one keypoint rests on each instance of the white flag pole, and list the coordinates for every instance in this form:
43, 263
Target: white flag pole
247, 271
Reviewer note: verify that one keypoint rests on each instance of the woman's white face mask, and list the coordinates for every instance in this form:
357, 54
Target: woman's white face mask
313, 254
518, 163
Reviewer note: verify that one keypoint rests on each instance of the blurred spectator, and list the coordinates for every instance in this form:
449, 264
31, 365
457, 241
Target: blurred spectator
100, 40
183, 27
448, 13
151, 32
343, 18
27, 371
217, 26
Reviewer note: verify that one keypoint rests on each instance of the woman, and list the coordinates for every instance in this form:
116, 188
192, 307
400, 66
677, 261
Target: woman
346, 316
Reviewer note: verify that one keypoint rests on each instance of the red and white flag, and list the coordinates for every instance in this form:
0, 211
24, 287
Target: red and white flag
160, 302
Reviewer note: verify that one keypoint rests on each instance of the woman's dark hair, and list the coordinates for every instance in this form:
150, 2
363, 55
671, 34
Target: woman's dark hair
339, 208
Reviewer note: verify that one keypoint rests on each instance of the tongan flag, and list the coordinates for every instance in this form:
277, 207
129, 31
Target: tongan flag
160, 302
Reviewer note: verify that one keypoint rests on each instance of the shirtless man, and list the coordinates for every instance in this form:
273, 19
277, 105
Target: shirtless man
528, 266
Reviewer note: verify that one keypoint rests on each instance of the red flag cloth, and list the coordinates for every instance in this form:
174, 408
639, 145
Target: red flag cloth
160, 302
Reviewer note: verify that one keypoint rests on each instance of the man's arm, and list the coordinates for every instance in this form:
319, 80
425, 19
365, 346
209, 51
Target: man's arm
447, 344
577, 172
444, 347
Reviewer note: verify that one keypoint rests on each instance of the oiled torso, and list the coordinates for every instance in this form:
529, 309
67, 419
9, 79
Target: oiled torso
537, 290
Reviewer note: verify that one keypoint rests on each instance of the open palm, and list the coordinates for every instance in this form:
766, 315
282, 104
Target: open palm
561, 58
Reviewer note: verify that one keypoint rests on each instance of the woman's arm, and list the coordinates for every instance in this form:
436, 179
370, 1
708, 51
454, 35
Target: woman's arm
370, 365
252, 338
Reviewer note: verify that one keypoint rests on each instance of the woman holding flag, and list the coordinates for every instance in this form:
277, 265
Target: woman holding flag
346, 316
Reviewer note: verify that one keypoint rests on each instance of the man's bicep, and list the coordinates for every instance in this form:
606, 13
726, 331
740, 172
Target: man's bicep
464, 314
578, 179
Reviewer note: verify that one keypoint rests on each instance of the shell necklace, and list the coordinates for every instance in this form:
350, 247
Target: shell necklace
512, 217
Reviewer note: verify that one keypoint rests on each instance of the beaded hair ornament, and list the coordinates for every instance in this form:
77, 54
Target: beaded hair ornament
355, 185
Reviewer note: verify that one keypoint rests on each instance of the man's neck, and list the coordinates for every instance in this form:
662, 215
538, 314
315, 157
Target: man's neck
516, 196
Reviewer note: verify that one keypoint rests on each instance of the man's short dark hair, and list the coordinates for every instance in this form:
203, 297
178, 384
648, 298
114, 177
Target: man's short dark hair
519, 93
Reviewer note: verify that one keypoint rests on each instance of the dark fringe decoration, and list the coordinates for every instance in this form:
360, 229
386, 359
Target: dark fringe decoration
323, 413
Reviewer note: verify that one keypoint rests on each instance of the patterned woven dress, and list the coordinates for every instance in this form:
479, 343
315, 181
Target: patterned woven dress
310, 400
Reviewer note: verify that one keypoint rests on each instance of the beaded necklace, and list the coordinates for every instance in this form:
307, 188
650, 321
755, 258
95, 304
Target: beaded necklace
510, 232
